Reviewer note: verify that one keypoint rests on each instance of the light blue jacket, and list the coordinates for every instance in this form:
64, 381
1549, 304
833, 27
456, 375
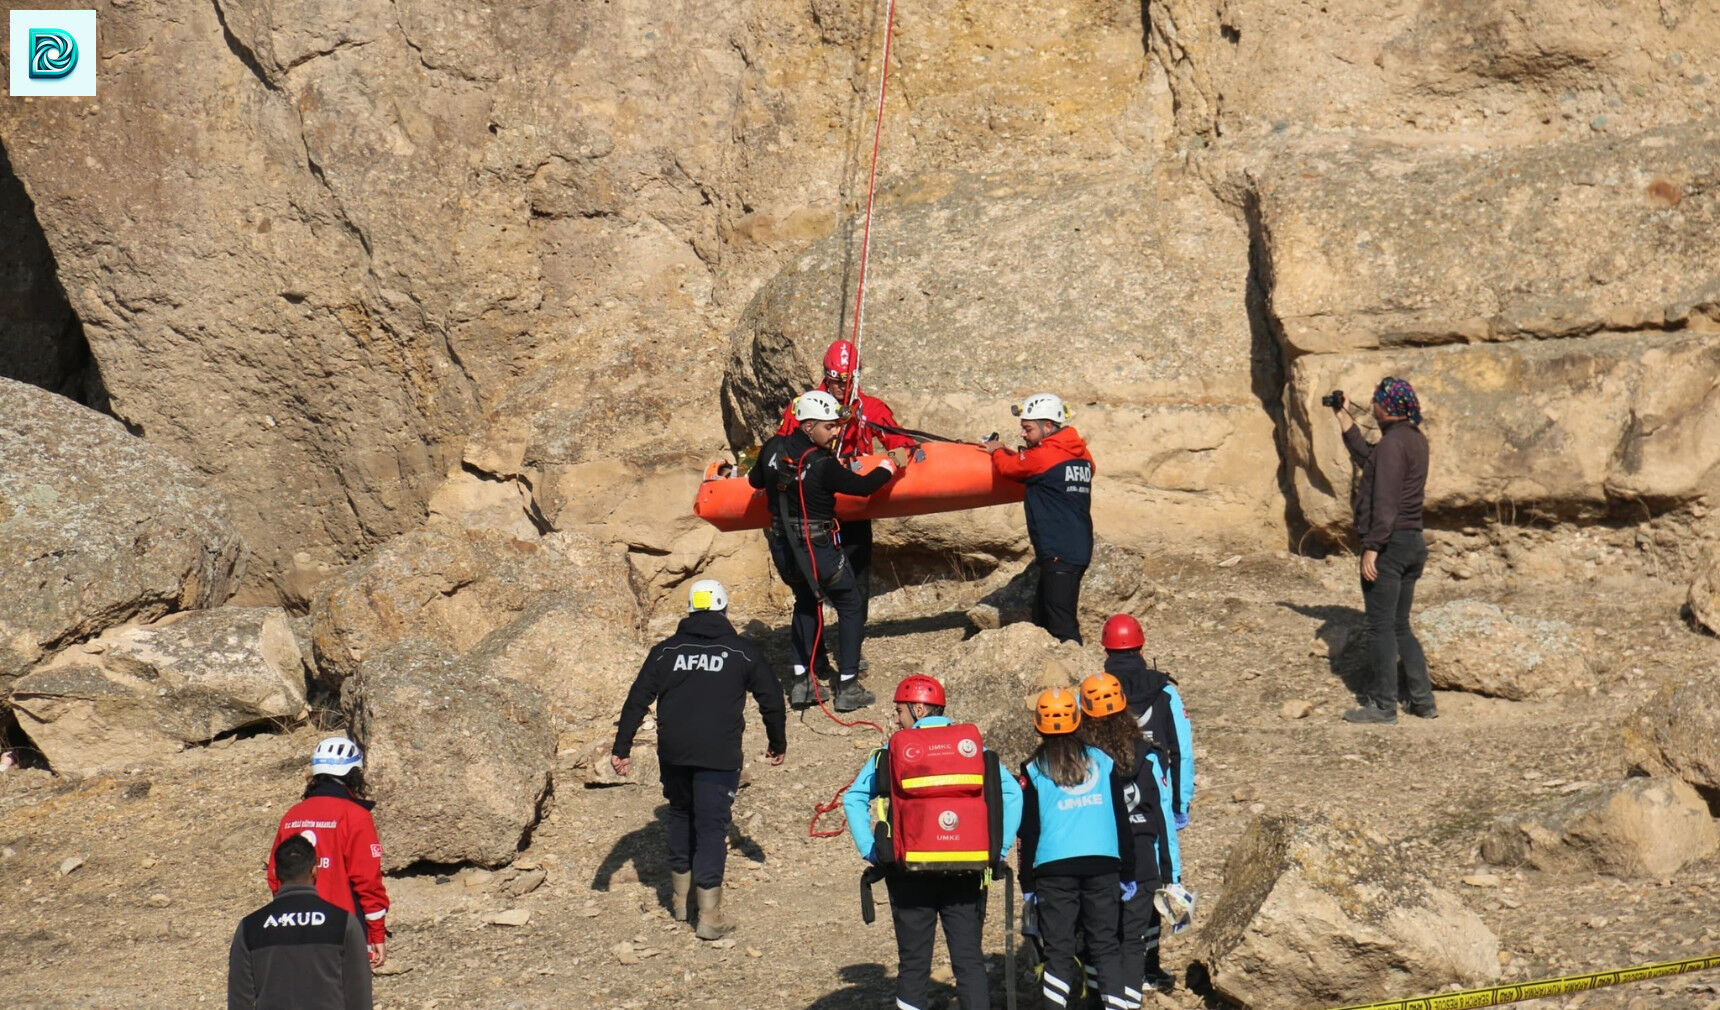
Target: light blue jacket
857, 801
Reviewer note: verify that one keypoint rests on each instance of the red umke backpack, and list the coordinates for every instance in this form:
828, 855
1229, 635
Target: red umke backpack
943, 809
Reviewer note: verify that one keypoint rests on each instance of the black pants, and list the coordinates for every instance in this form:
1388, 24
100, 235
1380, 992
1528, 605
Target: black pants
917, 902
1077, 913
1388, 600
857, 545
700, 803
1140, 939
1057, 599
836, 578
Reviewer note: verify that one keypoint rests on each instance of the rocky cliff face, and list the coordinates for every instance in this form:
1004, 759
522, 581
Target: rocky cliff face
389, 241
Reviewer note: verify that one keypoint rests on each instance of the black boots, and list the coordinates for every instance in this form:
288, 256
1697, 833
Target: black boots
850, 696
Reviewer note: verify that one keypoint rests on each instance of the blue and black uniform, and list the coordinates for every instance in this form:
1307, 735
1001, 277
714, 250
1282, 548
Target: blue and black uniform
919, 900
1058, 473
1158, 707
1158, 861
1076, 849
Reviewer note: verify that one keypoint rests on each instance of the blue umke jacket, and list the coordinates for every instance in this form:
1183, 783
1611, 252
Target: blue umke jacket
1079, 831
1158, 707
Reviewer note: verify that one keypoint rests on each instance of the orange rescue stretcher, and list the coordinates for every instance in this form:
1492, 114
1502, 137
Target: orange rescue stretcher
952, 476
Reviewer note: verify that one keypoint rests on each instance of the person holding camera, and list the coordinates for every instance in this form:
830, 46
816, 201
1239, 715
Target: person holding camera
1387, 511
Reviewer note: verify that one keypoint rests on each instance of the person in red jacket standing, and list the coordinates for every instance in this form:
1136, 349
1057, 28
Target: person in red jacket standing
335, 817
1058, 470
871, 421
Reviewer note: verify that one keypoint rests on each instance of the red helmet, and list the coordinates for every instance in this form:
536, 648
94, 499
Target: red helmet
920, 689
843, 358
1121, 633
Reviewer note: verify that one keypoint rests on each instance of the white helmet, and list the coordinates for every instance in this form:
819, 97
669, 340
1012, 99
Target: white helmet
1175, 904
816, 405
336, 756
1041, 407
707, 594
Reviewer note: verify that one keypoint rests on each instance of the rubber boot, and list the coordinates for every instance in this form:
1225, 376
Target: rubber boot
713, 924
681, 884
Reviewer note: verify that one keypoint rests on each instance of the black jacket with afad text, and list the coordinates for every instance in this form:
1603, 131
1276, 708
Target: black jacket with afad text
299, 952
700, 677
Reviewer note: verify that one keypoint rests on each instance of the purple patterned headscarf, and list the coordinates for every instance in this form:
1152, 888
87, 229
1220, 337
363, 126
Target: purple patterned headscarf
1397, 398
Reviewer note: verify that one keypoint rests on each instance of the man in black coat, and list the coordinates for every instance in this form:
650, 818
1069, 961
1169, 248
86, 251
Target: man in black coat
801, 477
298, 952
699, 678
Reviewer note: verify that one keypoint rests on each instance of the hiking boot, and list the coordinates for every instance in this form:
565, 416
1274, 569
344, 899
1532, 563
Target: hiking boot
713, 924
1370, 714
800, 691
864, 666
850, 696
1423, 711
1155, 978
680, 884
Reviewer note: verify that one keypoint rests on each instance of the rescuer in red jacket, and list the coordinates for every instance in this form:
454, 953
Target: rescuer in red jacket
1058, 470
335, 817
841, 363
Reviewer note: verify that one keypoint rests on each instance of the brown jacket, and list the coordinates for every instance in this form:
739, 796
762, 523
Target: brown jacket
1394, 478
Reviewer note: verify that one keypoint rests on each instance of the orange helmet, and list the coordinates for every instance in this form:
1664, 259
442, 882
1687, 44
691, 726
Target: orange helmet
1102, 694
1057, 712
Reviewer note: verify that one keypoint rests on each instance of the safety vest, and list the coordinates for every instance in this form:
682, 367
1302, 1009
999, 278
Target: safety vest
1075, 820
943, 806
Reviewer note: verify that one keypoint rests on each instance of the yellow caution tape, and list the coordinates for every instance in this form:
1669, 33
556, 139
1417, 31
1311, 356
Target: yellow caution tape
1499, 995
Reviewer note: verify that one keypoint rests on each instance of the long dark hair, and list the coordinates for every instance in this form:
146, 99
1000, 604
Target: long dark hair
353, 780
1062, 759
1115, 734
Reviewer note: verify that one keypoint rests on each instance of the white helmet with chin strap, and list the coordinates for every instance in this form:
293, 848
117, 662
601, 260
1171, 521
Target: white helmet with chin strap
707, 594
336, 756
817, 405
1042, 407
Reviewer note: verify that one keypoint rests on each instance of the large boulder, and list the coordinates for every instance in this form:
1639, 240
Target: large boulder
1675, 733
456, 586
581, 651
993, 677
1646, 827
1124, 293
458, 760
1568, 427
1478, 647
97, 528
143, 692
1317, 912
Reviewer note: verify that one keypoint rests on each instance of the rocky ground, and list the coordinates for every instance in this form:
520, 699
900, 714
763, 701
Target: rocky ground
122, 891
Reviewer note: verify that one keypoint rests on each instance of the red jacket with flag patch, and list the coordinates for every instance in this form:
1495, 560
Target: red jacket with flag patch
349, 856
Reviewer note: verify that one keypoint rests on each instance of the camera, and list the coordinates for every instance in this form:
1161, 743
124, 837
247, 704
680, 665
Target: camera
1334, 399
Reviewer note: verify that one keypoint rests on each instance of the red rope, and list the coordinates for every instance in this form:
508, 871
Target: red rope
812, 659
871, 194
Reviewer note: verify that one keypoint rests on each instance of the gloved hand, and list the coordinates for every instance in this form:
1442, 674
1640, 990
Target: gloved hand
1182, 821
1129, 888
